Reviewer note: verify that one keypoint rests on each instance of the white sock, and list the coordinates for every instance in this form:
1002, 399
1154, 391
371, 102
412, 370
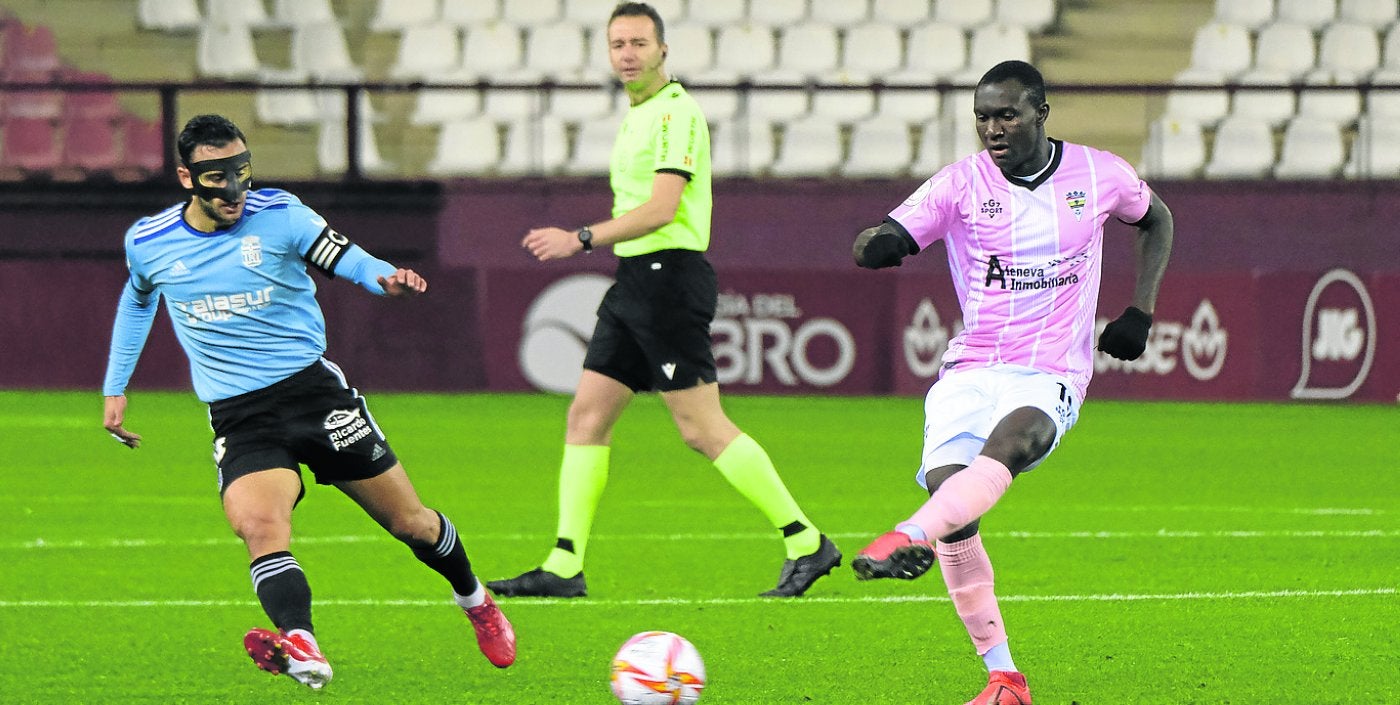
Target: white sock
477, 597
912, 530
308, 636
998, 658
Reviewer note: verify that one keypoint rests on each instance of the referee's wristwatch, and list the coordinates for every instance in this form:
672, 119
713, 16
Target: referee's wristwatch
585, 236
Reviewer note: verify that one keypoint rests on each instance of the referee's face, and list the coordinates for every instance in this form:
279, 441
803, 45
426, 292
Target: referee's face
638, 57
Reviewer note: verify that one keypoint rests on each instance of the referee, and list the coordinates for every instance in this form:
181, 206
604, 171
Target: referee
653, 329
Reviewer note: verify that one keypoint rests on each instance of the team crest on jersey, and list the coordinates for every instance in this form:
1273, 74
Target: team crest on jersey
252, 251
991, 207
1076, 201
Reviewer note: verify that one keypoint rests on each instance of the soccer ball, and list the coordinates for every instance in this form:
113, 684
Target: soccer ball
655, 668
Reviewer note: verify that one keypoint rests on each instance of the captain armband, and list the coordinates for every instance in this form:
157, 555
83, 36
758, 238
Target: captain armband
327, 250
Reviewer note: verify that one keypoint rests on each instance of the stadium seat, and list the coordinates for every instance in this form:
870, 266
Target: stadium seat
671, 11
778, 104
578, 105
555, 52
1375, 153
30, 53
490, 50
168, 15
427, 52
470, 13
838, 13
1350, 51
535, 147
960, 126
810, 147
594, 13
331, 105
899, 14
143, 149
332, 154
89, 148
911, 106
878, 149
1376, 14
935, 52
845, 106
531, 13
778, 13
399, 15
1312, 149
718, 104
1285, 48
1250, 14
692, 50
593, 147
931, 152
1314, 14
513, 105
1243, 149
226, 51
244, 12
1204, 106
287, 107
320, 51
1339, 105
35, 104
1222, 49
1273, 106
990, 45
439, 106
1385, 103
1035, 16
741, 51
963, 14
1175, 149
295, 13
97, 104
716, 13
28, 146
741, 147
806, 52
468, 147
873, 50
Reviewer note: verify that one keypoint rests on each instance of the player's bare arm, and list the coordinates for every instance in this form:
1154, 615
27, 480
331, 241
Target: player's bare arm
403, 283
113, 416
1154, 248
883, 246
658, 211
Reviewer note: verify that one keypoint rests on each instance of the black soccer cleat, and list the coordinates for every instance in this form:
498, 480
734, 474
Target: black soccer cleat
799, 573
894, 555
540, 583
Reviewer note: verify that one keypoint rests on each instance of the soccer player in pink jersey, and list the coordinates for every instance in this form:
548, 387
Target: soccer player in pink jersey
1022, 222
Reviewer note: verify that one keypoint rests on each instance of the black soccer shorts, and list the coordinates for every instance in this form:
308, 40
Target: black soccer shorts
313, 418
653, 331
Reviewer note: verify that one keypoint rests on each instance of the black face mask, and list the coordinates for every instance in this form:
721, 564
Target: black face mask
237, 171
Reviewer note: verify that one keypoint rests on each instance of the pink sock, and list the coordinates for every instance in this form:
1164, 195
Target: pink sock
963, 498
968, 573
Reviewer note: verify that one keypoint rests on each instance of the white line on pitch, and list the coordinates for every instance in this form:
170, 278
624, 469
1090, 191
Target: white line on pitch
748, 536
683, 602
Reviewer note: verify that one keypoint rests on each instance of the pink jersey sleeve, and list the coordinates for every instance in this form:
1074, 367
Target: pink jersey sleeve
1131, 195
928, 213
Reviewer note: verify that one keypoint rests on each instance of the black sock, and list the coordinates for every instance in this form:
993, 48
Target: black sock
283, 591
449, 558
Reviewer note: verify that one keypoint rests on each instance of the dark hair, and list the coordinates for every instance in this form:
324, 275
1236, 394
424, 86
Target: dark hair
641, 9
1021, 72
213, 130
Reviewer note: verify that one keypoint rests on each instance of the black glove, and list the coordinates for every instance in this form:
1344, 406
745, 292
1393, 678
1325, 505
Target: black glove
885, 248
1126, 337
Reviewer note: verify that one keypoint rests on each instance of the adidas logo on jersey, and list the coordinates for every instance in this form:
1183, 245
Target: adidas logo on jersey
179, 269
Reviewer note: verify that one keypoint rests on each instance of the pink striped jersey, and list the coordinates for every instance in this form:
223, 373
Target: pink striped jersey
1025, 255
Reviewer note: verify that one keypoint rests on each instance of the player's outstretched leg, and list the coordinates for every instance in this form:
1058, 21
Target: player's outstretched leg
894, 555
294, 653
494, 634
799, 573
1004, 688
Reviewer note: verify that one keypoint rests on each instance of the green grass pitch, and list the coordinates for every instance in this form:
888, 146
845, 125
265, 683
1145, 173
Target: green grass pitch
1166, 553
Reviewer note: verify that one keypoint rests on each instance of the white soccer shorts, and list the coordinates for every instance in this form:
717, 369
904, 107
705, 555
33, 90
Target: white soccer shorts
963, 407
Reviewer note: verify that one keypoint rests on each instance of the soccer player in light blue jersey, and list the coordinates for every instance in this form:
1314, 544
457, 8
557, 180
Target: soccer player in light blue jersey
231, 264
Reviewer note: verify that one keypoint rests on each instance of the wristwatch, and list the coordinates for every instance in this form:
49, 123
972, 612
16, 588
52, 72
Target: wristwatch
585, 236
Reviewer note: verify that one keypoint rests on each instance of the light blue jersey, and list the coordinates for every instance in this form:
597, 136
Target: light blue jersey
242, 302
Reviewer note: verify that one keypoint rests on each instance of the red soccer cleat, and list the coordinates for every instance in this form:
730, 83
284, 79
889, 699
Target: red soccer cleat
494, 634
893, 555
1004, 688
292, 655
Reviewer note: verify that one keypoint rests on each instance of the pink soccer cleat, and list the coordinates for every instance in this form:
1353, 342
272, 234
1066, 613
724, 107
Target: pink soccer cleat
1004, 688
494, 634
292, 655
893, 555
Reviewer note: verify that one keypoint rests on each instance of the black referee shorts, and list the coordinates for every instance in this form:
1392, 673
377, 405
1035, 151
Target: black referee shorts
653, 330
313, 418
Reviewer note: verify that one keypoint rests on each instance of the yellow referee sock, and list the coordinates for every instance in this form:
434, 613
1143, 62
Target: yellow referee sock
747, 467
582, 476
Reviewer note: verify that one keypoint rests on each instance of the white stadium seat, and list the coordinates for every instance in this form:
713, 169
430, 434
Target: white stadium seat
1312, 149
1285, 48
1243, 149
468, 147
1222, 49
878, 148
168, 15
1175, 149
427, 52
1376, 14
963, 14
1250, 14
226, 51
1316, 14
900, 14
935, 52
1035, 16
398, 15
1375, 153
873, 50
840, 13
777, 13
810, 147
320, 51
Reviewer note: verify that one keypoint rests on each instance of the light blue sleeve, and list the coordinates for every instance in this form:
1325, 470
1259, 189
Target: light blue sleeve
135, 313
354, 263
364, 269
